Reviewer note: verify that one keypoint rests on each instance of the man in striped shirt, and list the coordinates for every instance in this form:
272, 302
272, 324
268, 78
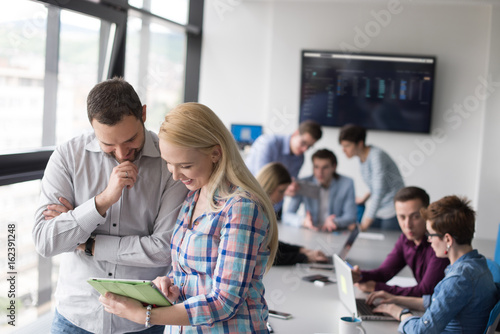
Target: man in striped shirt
381, 175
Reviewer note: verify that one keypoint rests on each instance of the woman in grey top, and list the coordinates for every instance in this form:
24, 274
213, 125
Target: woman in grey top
381, 175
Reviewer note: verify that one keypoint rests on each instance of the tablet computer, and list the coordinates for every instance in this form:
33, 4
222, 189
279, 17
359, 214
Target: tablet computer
308, 189
143, 290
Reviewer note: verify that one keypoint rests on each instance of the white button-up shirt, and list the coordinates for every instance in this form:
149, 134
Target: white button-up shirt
132, 240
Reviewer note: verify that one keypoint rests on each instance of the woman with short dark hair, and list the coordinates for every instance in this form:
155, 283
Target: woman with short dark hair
462, 301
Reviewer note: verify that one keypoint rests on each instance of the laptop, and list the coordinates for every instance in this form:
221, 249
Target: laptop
348, 243
345, 285
328, 264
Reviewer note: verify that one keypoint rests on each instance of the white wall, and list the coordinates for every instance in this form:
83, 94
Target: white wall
251, 73
489, 167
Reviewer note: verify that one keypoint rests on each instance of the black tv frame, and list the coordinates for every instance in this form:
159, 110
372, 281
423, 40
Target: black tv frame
353, 99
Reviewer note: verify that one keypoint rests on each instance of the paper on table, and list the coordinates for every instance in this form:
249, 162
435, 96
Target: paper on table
371, 236
293, 219
402, 281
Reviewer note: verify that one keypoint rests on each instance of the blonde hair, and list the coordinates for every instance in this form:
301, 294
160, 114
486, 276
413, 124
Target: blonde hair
194, 125
273, 175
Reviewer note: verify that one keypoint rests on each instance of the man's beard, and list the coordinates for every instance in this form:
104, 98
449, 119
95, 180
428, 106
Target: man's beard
136, 153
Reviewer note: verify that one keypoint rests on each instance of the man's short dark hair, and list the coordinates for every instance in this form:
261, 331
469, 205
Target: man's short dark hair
327, 155
111, 100
410, 193
353, 133
311, 127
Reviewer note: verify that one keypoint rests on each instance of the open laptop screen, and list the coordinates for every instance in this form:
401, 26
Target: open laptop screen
347, 296
346, 247
348, 244
345, 285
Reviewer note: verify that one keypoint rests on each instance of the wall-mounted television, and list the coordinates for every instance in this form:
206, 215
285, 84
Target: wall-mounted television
376, 91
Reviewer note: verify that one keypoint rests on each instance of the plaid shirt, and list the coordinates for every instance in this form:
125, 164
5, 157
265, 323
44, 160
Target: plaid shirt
218, 264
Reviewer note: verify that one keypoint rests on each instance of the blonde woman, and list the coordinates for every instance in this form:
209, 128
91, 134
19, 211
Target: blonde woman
225, 237
275, 179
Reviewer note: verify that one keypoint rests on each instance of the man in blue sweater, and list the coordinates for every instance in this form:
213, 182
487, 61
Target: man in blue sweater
335, 207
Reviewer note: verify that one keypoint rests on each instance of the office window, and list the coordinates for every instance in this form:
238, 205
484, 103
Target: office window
50, 58
176, 11
36, 93
78, 72
17, 204
22, 67
155, 65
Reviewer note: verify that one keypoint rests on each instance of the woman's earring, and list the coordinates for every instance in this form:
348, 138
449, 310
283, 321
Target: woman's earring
447, 249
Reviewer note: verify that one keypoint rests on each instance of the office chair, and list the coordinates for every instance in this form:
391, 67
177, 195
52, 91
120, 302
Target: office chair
494, 266
497, 247
361, 210
493, 320
495, 270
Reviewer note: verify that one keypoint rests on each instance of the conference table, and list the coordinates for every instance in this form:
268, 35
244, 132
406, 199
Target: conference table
315, 308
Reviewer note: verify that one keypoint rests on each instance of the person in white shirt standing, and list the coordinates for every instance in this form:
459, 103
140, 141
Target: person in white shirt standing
108, 204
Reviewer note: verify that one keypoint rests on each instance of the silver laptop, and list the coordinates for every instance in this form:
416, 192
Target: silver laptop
343, 251
348, 243
345, 285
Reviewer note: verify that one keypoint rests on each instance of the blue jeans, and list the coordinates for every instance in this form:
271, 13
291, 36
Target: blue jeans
389, 224
61, 325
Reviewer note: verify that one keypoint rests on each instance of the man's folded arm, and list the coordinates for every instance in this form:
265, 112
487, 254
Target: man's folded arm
147, 250
66, 231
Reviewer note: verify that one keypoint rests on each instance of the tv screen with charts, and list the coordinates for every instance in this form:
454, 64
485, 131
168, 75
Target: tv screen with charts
376, 91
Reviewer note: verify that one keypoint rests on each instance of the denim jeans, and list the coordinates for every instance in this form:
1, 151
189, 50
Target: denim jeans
61, 325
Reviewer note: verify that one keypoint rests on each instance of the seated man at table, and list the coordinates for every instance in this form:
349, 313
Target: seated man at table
335, 208
412, 249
